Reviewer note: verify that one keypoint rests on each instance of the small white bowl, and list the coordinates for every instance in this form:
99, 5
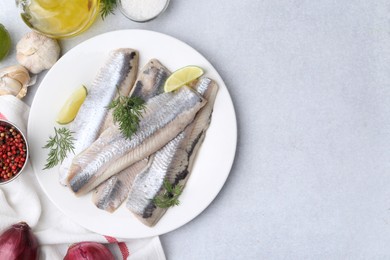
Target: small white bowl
146, 19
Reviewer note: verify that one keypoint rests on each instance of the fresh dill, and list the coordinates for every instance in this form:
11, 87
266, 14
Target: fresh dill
127, 112
60, 145
170, 197
107, 7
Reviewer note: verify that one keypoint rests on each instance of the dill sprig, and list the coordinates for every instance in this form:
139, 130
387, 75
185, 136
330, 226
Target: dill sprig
60, 144
107, 7
170, 197
127, 112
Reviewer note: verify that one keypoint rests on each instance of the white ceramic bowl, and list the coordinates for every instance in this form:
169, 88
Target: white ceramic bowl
146, 19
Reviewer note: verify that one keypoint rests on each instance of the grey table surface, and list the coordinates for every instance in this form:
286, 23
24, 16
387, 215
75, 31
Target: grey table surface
310, 84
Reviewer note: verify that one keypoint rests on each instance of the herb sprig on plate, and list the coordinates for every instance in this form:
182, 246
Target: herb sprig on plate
170, 197
60, 145
127, 112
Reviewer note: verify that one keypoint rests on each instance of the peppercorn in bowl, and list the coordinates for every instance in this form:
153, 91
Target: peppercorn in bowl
13, 151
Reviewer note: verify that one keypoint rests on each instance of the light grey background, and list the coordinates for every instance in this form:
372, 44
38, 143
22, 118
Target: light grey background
310, 84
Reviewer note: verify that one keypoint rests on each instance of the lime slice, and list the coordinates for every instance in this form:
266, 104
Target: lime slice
182, 77
72, 105
5, 42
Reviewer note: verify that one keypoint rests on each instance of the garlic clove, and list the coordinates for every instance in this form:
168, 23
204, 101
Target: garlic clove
10, 87
37, 52
22, 93
16, 72
14, 80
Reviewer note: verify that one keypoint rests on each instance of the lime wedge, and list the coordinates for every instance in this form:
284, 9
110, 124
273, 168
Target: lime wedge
72, 105
182, 77
5, 42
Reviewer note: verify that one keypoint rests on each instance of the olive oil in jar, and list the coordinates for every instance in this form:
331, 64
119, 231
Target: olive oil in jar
59, 18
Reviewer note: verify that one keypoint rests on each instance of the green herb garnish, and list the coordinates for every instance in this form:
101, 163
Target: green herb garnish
59, 146
107, 7
170, 197
127, 113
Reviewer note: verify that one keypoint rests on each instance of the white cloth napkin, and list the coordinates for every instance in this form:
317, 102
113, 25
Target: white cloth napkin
24, 200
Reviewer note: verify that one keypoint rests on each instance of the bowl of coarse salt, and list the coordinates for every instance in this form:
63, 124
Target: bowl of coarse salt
142, 10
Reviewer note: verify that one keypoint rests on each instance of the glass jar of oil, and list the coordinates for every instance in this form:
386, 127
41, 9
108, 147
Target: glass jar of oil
59, 18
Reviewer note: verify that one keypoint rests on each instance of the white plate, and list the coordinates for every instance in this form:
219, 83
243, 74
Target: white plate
79, 66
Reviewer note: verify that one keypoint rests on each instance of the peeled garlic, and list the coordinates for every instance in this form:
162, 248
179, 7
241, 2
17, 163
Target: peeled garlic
14, 81
37, 52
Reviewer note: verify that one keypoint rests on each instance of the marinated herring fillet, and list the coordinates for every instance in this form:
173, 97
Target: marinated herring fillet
111, 193
119, 71
165, 116
172, 162
124, 89
150, 81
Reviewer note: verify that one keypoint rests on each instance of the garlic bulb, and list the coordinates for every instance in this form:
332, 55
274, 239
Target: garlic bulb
37, 52
14, 80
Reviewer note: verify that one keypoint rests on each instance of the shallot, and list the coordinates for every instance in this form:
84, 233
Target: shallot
19, 242
88, 251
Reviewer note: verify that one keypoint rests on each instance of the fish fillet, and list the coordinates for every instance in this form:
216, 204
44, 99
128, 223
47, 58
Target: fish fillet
173, 162
111, 193
165, 116
124, 89
118, 71
150, 81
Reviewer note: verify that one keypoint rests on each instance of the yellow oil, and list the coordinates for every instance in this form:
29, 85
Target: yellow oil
60, 18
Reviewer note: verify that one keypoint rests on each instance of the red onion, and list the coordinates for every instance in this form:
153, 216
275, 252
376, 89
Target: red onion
18, 242
88, 251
